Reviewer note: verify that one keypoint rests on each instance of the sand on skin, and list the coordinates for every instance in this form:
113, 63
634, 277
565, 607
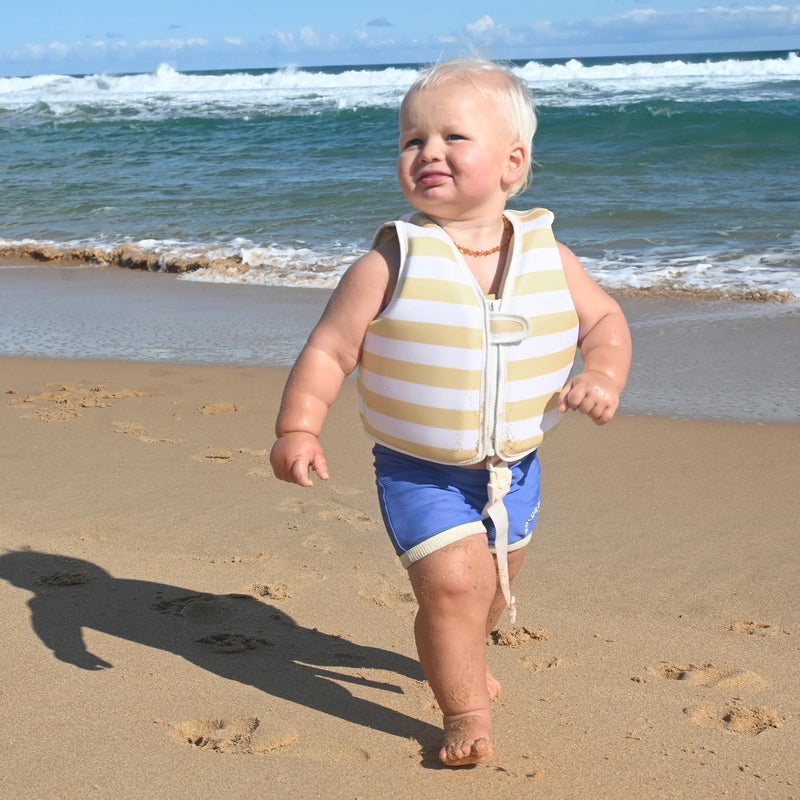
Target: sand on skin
216, 630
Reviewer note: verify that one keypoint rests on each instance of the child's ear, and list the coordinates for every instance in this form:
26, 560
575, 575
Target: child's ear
516, 164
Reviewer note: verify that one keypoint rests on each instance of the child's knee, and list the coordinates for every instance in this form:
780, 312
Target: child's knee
453, 578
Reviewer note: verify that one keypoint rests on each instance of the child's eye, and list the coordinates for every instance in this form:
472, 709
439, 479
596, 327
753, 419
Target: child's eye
412, 143
452, 137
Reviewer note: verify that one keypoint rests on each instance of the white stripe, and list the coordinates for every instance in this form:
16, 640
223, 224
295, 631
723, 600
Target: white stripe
543, 303
543, 345
547, 259
537, 386
434, 396
525, 429
432, 354
436, 311
426, 435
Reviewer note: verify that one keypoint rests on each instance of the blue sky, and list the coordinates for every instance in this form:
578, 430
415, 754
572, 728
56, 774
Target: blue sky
53, 36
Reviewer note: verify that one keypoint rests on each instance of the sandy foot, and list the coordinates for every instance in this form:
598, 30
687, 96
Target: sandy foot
466, 739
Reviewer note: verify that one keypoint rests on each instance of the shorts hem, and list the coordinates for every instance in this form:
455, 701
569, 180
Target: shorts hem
516, 545
440, 540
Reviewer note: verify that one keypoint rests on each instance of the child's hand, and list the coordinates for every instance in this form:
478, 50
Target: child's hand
591, 393
294, 454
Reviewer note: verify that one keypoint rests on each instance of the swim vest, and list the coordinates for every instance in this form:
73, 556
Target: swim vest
450, 376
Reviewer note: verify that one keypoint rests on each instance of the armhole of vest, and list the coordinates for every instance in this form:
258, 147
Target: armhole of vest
397, 228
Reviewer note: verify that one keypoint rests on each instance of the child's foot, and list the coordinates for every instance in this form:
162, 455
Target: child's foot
466, 739
493, 686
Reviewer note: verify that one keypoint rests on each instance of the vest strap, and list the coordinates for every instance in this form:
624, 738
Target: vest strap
508, 328
499, 485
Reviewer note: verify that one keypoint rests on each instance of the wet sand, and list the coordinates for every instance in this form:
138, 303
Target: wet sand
692, 358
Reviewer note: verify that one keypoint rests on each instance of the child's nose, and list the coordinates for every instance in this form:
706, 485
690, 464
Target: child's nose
431, 150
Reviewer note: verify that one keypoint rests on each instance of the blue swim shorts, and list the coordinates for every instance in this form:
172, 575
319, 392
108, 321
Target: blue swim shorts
427, 506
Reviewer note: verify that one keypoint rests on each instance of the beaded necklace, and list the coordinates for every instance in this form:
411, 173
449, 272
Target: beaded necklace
503, 242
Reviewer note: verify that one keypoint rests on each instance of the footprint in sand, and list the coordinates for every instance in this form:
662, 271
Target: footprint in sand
292, 505
135, 429
331, 511
517, 636
735, 718
320, 542
234, 735
218, 456
270, 591
751, 628
63, 578
710, 676
69, 400
201, 607
232, 642
389, 596
336, 511
541, 663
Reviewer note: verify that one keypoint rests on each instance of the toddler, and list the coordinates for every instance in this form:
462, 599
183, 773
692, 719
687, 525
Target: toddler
463, 320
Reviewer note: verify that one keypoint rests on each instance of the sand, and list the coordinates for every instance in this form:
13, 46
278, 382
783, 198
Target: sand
179, 624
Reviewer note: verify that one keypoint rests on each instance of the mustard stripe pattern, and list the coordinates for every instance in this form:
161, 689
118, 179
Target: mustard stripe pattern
446, 374
412, 372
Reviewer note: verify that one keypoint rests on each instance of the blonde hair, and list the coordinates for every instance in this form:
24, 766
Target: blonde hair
510, 91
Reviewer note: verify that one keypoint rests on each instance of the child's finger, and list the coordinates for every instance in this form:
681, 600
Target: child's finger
320, 466
571, 397
299, 471
563, 405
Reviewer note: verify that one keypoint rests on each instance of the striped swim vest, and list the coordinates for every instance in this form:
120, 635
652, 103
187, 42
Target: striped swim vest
453, 377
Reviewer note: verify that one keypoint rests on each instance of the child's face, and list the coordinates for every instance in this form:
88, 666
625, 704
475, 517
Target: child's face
457, 157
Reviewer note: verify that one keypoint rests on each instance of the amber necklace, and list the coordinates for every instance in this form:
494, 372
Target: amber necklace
503, 242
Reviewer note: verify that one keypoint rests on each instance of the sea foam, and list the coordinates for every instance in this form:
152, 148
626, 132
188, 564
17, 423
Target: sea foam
299, 91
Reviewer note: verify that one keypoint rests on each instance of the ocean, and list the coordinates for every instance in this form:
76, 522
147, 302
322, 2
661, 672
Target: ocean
204, 217
674, 175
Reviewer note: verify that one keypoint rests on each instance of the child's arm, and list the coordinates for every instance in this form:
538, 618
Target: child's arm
605, 343
330, 354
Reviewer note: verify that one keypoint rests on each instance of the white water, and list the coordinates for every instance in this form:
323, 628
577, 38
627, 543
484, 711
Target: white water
306, 90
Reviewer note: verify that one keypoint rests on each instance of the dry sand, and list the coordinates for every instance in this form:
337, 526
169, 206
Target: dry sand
178, 624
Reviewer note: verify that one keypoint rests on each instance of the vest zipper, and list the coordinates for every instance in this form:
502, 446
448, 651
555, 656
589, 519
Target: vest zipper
492, 380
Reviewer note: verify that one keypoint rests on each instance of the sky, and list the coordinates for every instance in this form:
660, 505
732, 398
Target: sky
101, 36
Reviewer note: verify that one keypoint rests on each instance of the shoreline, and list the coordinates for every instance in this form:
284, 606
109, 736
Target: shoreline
177, 612
223, 267
692, 359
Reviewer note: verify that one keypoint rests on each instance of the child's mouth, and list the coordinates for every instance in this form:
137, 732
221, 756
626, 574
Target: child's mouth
433, 178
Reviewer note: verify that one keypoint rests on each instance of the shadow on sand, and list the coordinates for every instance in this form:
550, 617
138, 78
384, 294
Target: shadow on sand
280, 657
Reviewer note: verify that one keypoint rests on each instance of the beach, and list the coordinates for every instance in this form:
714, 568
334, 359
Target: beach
178, 623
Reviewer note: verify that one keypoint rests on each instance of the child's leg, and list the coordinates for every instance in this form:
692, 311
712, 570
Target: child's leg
496, 609
456, 589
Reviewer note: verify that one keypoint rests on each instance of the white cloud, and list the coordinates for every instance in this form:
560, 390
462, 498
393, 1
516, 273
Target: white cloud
172, 44
485, 30
309, 37
485, 23
283, 38
526, 35
720, 24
